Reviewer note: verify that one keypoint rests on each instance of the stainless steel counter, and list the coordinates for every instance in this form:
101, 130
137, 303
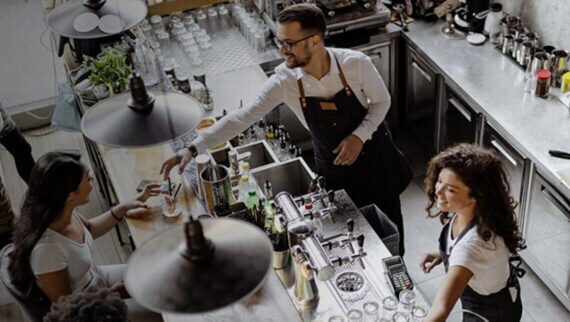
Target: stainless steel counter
495, 84
333, 301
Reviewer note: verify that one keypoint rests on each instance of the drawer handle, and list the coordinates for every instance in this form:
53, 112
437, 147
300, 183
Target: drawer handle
554, 200
423, 72
504, 152
460, 108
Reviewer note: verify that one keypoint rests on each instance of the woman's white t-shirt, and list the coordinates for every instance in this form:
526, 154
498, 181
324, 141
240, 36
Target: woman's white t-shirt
487, 260
54, 252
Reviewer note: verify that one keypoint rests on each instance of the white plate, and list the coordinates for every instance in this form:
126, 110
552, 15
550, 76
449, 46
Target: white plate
85, 22
476, 39
111, 24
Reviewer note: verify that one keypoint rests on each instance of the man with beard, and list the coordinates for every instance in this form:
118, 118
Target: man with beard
340, 97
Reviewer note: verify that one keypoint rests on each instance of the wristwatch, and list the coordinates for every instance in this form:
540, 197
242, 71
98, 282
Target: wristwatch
193, 150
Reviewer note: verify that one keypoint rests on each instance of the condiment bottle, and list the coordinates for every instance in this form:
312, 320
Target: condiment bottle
542, 82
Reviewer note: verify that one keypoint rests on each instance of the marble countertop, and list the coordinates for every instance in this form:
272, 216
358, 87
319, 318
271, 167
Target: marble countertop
494, 83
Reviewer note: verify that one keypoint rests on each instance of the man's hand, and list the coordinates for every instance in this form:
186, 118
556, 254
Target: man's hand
181, 158
348, 150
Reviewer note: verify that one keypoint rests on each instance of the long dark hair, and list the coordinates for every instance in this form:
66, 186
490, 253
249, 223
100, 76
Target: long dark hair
482, 171
55, 175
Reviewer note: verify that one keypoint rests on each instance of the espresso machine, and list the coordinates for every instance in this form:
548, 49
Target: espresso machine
341, 15
470, 16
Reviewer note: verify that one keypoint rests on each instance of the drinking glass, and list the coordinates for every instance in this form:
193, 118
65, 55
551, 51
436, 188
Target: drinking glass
336, 318
354, 315
407, 300
389, 307
371, 310
401, 317
418, 313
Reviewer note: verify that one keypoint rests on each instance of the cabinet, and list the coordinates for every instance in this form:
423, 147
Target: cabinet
547, 233
461, 122
420, 112
383, 57
516, 165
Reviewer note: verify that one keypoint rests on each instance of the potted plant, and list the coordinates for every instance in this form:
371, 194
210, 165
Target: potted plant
108, 72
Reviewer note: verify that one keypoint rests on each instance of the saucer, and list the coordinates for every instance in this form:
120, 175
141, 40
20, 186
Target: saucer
476, 39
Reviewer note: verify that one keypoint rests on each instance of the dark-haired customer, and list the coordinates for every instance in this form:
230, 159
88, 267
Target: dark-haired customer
469, 187
91, 305
53, 242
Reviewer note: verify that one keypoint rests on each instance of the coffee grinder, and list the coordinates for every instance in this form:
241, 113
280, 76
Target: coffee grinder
470, 16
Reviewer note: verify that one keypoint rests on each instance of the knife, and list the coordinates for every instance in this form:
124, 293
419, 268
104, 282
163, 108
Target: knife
559, 154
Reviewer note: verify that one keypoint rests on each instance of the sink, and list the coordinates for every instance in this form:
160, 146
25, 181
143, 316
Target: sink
293, 176
261, 154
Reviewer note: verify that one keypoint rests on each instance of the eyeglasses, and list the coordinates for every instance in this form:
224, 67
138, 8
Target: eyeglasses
287, 44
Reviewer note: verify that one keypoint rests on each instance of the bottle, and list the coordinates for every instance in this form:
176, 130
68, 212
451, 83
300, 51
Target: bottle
252, 199
245, 182
292, 151
268, 207
283, 154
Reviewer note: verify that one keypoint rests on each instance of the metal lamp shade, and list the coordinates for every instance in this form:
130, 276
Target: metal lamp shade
111, 122
163, 278
61, 20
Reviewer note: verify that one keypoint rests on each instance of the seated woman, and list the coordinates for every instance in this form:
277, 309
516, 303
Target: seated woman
53, 242
470, 189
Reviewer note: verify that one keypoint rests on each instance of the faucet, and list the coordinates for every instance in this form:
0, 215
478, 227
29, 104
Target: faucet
306, 291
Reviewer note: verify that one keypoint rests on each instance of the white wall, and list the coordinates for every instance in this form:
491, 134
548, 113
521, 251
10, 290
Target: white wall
550, 18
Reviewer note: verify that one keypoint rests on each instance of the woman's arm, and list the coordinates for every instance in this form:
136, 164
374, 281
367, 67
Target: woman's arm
55, 284
453, 286
100, 225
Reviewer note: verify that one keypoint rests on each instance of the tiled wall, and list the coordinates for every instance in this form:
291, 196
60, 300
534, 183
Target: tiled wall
550, 18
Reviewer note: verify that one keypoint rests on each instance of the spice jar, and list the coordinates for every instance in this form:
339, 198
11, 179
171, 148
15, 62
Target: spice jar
565, 83
542, 82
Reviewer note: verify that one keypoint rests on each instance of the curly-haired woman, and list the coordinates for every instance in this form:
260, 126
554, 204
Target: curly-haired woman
470, 191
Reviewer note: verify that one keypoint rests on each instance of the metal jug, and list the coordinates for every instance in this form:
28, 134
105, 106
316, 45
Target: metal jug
306, 291
217, 189
559, 66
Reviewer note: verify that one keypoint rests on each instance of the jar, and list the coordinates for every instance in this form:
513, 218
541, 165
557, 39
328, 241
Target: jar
565, 83
542, 82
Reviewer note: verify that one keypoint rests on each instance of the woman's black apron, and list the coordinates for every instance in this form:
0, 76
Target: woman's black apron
496, 307
380, 172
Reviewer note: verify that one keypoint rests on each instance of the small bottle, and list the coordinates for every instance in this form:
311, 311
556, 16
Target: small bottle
542, 82
268, 190
252, 199
292, 151
283, 154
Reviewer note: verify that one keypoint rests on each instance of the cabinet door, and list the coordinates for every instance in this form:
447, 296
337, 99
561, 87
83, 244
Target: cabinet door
461, 122
514, 163
380, 56
421, 102
547, 233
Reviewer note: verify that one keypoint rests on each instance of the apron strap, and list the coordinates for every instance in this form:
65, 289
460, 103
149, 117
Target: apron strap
303, 99
343, 79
